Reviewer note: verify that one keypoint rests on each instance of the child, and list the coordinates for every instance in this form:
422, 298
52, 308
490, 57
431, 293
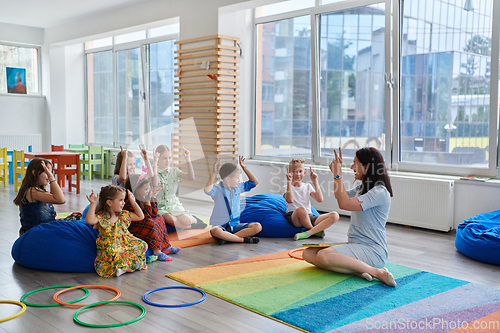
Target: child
125, 165
118, 251
35, 204
152, 228
169, 205
226, 213
298, 204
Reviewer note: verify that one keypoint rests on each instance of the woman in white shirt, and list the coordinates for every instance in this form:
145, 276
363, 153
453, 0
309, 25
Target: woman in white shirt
369, 203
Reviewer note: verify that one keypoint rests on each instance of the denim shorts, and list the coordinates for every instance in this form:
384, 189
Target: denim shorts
288, 217
236, 228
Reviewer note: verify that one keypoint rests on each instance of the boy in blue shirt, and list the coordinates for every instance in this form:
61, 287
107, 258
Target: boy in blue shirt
226, 194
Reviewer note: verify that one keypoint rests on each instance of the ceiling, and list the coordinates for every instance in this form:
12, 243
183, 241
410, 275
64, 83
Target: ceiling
48, 13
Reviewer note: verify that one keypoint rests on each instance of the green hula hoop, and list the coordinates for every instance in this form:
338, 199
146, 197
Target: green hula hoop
55, 304
78, 321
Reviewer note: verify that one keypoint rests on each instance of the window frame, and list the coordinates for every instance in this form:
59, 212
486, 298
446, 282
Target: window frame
393, 21
144, 88
39, 68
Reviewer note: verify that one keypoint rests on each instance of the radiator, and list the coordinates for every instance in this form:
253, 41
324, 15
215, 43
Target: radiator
21, 141
424, 203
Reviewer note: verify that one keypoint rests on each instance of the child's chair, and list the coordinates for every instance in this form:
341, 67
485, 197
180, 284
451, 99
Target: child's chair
66, 173
4, 166
76, 146
92, 160
57, 148
19, 168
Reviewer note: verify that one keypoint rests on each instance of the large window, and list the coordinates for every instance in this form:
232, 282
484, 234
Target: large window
130, 88
20, 57
284, 98
352, 79
411, 78
445, 82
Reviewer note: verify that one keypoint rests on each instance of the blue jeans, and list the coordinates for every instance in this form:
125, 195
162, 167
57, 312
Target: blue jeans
236, 228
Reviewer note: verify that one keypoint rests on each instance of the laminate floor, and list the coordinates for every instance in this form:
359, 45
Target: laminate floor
422, 249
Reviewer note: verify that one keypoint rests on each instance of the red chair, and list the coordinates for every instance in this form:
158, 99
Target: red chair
57, 148
69, 166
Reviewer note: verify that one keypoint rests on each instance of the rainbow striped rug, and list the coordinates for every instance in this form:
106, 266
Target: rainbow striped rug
314, 300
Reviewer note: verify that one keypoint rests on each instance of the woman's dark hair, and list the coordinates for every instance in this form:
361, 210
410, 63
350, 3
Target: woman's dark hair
375, 172
119, 161
33, 170
133, 183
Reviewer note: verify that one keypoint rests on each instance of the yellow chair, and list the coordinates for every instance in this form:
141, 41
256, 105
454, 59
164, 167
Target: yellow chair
19, 168
4, 166
92, 160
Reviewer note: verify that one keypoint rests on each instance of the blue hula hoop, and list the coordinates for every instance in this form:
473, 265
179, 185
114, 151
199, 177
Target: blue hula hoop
175, 305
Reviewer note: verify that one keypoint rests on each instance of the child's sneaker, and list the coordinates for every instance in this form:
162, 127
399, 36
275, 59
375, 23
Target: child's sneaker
301, 235
320, 234
253, 240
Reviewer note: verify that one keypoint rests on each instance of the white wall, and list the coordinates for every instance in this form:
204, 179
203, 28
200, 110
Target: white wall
12, 33
75, 94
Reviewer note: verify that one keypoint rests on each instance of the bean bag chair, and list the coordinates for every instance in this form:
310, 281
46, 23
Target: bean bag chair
65, 246
268, 210
479, 237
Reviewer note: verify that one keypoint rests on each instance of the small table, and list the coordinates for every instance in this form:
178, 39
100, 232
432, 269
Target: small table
84, 151
54, 157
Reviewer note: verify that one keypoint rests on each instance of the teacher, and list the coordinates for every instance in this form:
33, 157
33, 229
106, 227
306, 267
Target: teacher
369, 203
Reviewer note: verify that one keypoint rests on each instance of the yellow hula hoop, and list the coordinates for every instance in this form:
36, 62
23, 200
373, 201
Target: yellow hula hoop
23, 308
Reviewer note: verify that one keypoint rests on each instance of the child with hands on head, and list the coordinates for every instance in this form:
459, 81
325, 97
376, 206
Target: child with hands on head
298, 204
118, 251
152, 228
125, 165
226, 195
169, 205
35, 203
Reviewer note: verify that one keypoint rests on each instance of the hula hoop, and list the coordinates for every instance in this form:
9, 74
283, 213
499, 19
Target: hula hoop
118, 294
56, 304
78, 321
23, 308
296, 250
175, 305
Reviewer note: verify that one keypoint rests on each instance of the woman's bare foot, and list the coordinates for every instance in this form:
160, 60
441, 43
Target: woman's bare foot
386, 277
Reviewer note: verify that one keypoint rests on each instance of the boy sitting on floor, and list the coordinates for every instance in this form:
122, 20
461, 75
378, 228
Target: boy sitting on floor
298, 203
226, 213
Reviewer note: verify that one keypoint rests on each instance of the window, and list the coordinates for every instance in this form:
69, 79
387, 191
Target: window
445, 83
130, 91
20, 57
434, 113
352, 79
284, 105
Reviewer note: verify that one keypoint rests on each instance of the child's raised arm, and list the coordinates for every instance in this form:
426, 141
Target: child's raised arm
249, 174
137, 214
55, 196
317, 194
288, 194
122, 176
213, 175
90, 217
156, 156
190, 174
144, 154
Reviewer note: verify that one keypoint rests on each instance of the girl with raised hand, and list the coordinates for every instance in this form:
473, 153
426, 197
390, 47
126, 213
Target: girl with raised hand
152, 228
169, 205
125, 166
118, 251
35, 203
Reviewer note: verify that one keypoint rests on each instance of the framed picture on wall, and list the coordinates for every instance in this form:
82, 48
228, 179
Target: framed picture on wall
16, 80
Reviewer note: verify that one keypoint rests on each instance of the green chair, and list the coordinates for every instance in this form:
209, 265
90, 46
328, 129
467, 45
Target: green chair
93, 159
76, 146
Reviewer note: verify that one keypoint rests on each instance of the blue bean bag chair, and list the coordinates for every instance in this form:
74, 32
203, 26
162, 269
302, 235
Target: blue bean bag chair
268, 210
65, 246
479, 237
